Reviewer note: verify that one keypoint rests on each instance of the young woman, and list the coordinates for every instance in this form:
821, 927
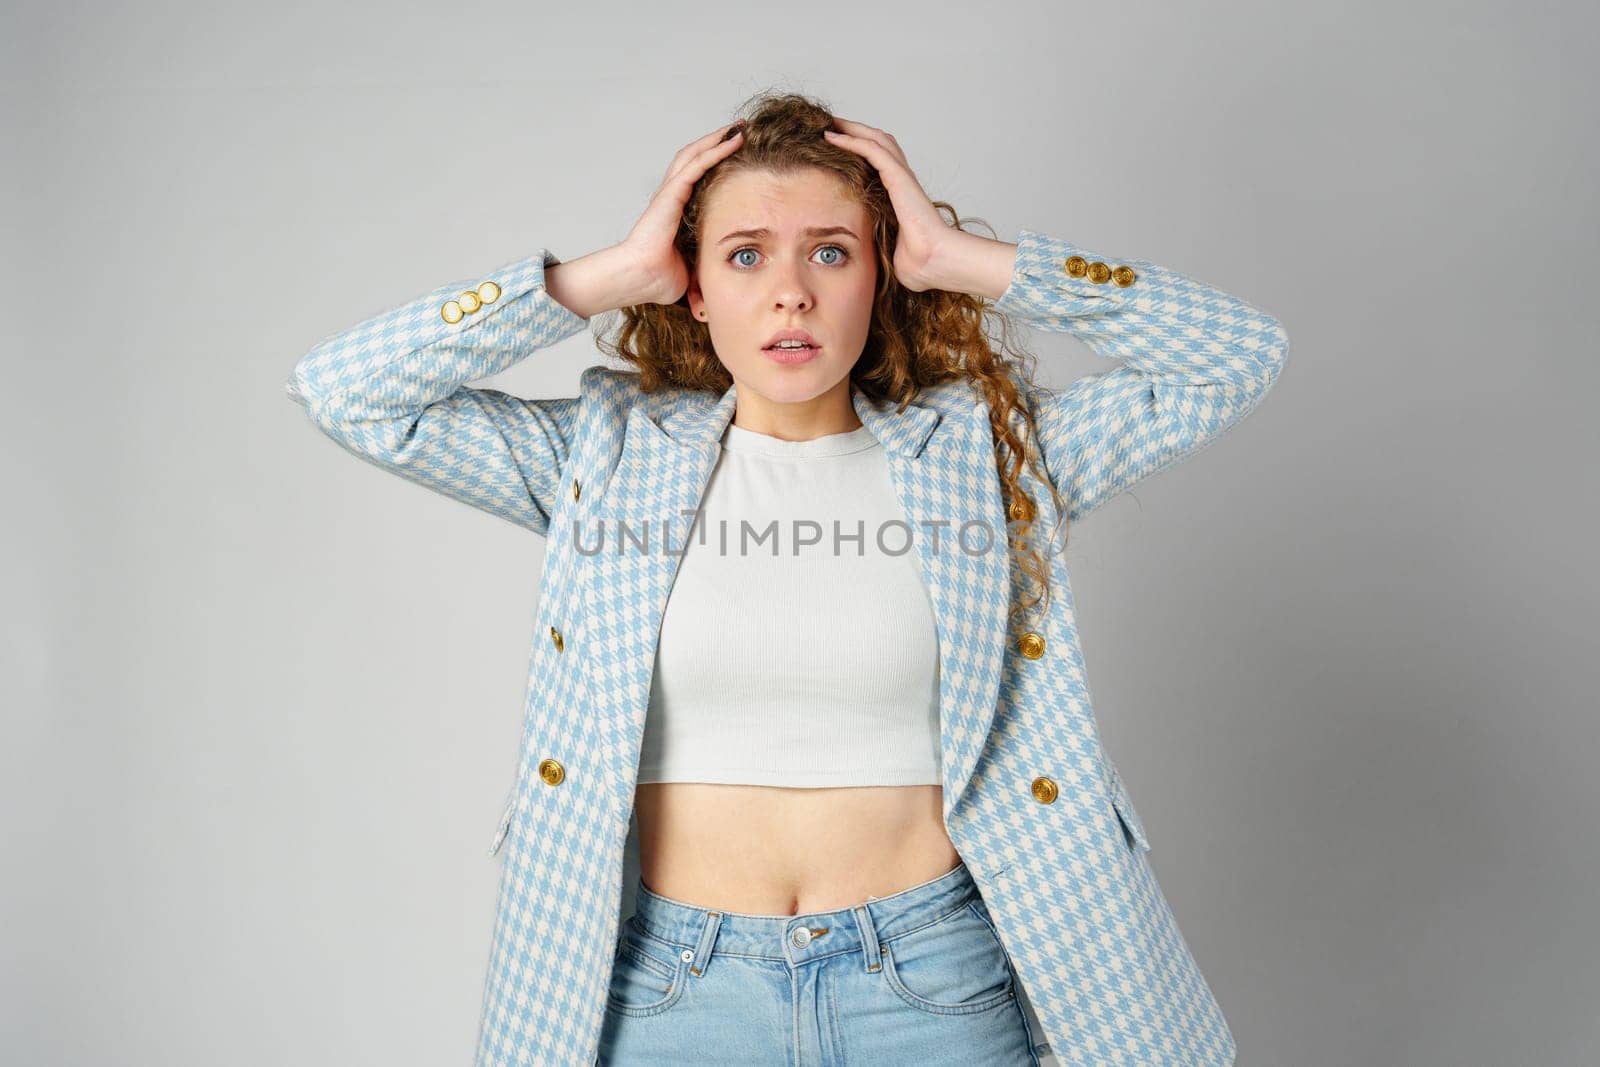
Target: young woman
805, 616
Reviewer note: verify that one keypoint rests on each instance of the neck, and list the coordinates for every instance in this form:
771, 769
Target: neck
829, 413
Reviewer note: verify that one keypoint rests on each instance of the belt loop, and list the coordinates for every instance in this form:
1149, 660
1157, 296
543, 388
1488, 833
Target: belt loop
869, 937
708, 936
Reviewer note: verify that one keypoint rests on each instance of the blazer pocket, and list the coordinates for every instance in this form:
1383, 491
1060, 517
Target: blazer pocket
1132, 826
504, 826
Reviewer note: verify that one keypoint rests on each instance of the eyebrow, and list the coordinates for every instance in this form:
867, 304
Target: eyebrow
810, 231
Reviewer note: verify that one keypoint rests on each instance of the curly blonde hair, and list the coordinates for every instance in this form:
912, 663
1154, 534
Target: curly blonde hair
916, 339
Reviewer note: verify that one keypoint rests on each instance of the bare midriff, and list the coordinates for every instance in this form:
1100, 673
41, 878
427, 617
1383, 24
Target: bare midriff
769, 850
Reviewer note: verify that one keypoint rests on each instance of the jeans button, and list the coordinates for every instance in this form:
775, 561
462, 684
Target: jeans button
802, 936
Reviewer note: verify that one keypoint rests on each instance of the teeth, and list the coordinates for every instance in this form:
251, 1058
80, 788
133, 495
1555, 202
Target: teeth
791, 344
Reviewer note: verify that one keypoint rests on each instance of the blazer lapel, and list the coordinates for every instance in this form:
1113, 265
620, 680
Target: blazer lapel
950, 491
941, 463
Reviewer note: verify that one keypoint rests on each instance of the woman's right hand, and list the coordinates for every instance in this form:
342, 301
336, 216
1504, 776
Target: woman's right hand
651, 245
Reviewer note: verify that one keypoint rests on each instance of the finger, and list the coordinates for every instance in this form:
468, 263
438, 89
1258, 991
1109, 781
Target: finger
699, 162
699, 144
892, 168
679, 186
864, 133
710, 138
876, 151
694, 150
861, 129
852, 126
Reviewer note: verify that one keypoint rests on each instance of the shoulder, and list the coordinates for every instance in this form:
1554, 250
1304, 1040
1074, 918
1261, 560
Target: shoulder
953, 396
606, 387
610, 393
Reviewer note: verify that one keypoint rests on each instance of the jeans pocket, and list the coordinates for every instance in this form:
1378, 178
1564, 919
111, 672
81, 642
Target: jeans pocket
642, 982
953, 966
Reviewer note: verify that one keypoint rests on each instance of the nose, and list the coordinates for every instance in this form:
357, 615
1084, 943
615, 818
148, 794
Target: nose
791, 289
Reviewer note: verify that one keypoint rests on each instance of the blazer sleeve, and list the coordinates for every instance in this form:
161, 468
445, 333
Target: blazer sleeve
393, 391
1194, 361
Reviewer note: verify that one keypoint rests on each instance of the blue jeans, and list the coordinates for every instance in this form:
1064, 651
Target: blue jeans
919, 976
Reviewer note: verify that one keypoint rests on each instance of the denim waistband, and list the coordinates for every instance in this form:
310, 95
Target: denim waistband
809, 935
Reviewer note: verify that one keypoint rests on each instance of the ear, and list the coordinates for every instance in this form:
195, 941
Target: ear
695, 298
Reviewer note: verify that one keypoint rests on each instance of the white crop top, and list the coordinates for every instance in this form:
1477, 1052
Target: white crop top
798, 646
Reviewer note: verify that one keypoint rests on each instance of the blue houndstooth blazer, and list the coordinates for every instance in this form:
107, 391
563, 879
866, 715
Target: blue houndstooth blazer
1032, 801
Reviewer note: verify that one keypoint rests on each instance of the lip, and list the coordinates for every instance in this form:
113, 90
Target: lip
792, 334
790, 357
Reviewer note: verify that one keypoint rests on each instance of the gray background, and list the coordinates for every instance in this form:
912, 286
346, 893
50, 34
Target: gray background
262, 701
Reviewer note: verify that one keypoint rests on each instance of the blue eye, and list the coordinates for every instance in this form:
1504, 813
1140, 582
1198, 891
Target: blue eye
841, 258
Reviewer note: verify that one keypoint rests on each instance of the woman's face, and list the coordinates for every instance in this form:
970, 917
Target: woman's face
811, 267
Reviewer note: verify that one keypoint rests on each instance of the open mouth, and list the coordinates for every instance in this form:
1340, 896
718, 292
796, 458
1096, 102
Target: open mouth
791, 352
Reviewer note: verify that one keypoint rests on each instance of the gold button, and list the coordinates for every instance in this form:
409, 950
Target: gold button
451, 311
1020, 510
1099, 272
1123, 275
555, 638
1032, 645
469, 301
575, 489
488, 292
551, 771
1077, 266
1044, 790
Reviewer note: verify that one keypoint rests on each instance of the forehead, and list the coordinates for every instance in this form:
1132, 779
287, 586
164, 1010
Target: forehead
780, 202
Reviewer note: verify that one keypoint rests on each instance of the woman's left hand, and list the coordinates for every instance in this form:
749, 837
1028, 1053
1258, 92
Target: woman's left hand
925, 239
